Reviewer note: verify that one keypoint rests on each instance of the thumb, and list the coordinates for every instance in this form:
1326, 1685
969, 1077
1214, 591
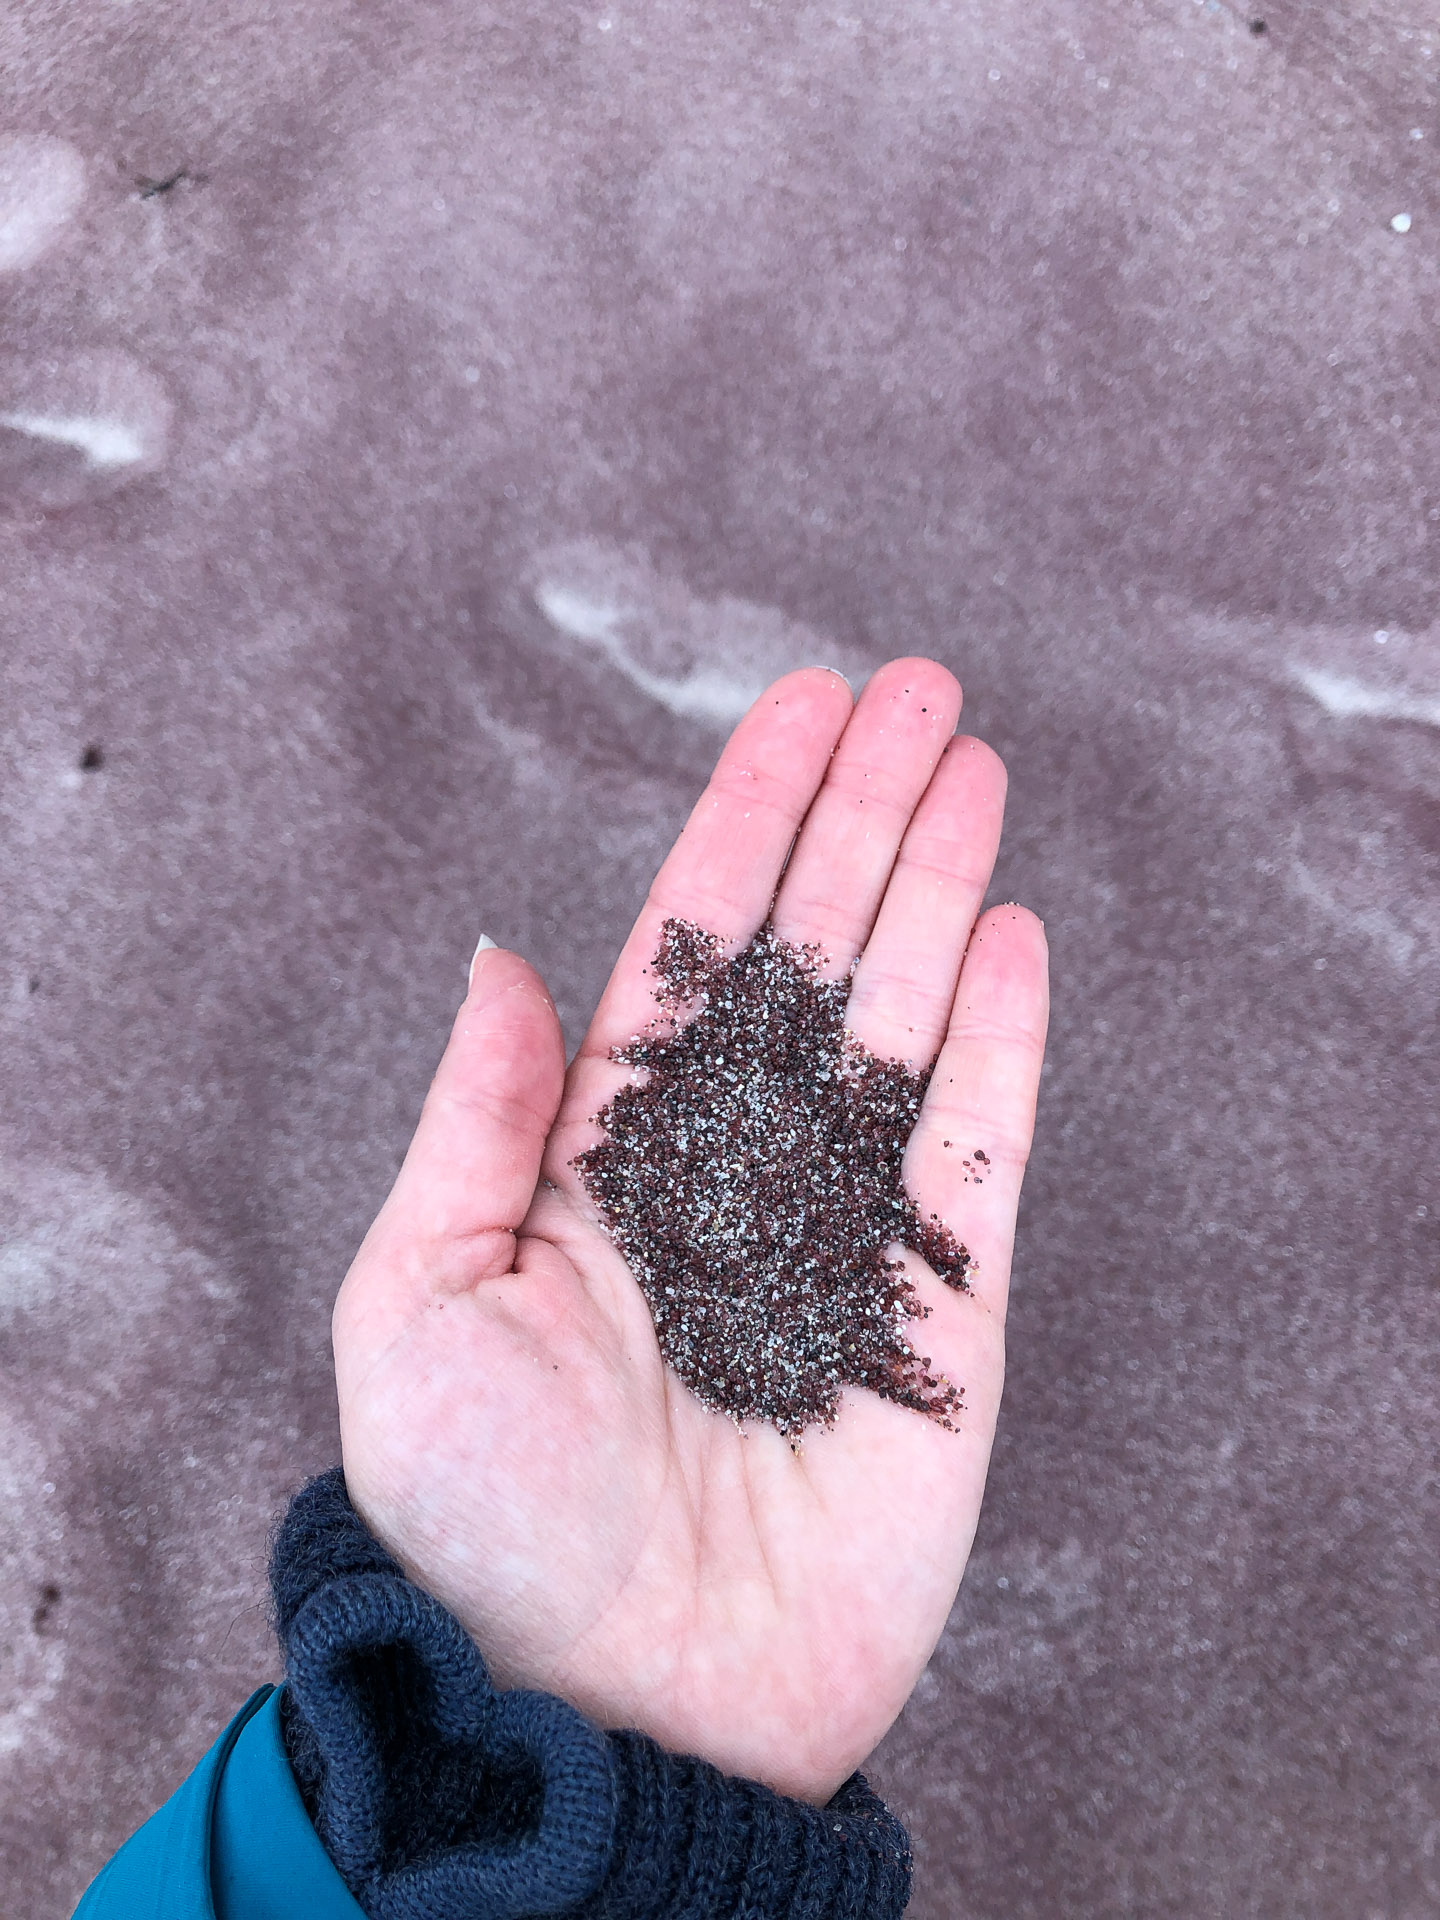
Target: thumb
471, 1170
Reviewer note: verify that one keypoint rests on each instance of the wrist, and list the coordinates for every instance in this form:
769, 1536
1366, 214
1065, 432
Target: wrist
435, 1792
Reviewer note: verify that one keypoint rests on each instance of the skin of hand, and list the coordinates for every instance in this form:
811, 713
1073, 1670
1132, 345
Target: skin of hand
509, 1430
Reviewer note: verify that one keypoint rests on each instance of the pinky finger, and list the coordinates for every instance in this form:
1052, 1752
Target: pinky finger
966, 1158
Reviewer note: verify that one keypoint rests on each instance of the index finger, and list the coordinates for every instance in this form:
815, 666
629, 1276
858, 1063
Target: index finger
723, 870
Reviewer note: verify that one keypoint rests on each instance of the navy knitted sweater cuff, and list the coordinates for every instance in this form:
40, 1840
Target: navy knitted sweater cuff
440, 1797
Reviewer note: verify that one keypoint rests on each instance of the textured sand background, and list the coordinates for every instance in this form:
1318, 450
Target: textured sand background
405, 501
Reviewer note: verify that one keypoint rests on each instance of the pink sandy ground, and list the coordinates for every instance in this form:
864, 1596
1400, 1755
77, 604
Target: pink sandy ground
373, 497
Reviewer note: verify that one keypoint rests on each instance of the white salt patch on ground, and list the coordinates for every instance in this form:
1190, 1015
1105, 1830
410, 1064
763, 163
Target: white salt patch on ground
105, 443
78, 427
701, 659
563, 607
26, 1272
88, 1259
1372, 922
42, 183
1347, 699
707, 693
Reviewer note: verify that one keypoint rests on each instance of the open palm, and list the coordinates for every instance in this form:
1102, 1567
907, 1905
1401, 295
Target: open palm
509, 1428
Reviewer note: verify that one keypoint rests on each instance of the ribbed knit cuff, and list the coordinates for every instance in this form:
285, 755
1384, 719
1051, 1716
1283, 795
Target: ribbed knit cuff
440, 1797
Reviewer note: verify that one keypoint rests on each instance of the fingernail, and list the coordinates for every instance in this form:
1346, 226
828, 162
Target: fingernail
483, 945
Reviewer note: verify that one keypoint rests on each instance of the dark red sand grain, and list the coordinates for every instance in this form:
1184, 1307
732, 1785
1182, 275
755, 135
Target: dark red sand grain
752, 1179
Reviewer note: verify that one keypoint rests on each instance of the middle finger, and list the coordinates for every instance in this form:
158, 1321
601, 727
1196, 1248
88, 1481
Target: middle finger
838, 871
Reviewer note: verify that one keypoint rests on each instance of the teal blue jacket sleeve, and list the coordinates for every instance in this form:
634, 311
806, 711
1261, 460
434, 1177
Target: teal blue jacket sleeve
233, 1843
389, 1777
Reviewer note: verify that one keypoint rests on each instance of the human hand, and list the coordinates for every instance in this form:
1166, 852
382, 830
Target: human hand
509, 1429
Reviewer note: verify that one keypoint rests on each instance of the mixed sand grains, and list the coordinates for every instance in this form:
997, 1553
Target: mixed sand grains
751, 1178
